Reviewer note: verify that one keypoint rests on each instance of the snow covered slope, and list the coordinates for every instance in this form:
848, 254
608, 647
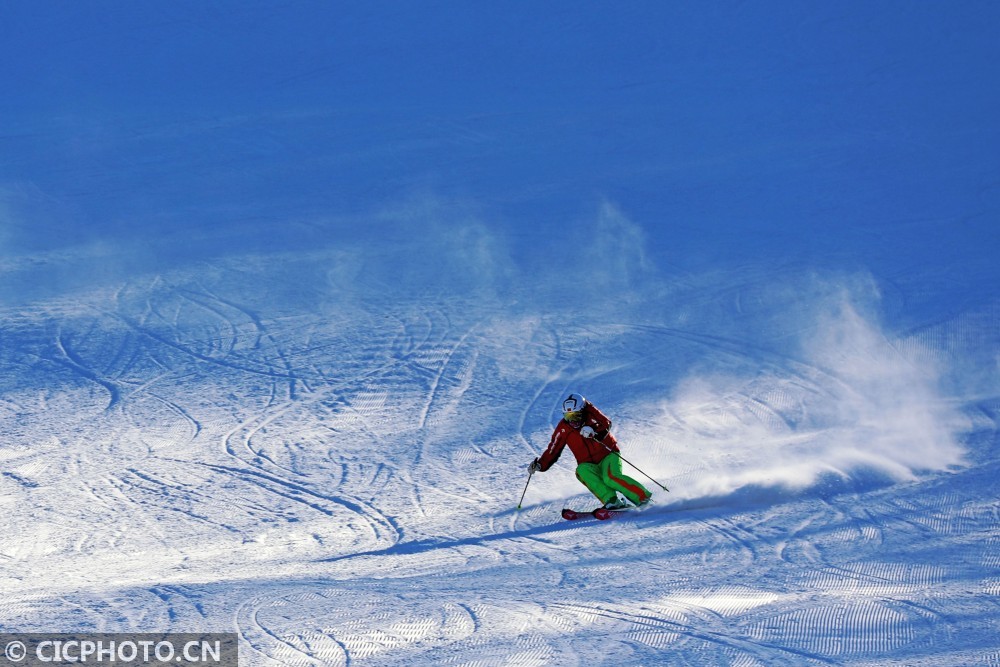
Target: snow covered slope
290, 296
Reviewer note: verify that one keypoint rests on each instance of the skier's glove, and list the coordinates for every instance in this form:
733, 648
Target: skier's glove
534, 466
588, 432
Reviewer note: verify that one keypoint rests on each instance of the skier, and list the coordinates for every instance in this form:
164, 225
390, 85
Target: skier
599, 466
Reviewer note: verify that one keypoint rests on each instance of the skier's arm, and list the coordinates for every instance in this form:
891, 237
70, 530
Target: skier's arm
602, 425
552, 452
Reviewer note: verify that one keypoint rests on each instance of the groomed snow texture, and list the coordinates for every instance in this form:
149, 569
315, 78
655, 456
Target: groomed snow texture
290, 294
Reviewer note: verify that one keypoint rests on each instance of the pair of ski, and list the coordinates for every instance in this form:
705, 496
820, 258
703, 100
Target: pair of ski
601, 513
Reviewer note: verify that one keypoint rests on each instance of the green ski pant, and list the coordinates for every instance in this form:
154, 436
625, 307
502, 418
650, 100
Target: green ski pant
605, 478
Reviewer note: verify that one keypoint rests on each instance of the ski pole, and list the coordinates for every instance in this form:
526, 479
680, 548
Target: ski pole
530, 473
634, 466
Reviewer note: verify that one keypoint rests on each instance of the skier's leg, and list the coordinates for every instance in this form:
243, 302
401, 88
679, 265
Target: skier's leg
614, 478
590, 476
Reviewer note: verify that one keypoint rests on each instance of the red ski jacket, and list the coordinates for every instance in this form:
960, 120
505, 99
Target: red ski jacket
586, 450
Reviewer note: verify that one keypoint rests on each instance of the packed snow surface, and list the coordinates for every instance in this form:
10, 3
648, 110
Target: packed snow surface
291, 294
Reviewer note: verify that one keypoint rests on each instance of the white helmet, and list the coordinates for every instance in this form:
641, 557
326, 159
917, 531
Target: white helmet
573, 408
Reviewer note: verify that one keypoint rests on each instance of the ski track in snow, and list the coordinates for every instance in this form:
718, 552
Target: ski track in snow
294, 323
342, 494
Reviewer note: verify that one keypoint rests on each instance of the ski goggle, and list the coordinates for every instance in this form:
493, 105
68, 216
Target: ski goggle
572, 417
